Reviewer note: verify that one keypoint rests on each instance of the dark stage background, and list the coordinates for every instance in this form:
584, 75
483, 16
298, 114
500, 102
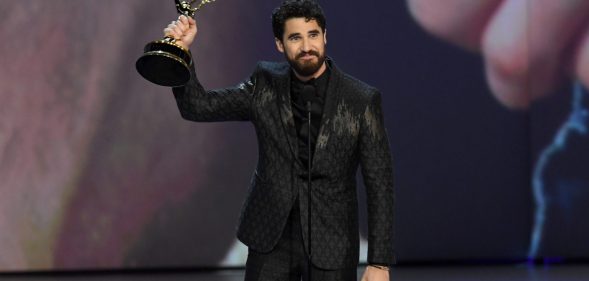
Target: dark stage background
99, 171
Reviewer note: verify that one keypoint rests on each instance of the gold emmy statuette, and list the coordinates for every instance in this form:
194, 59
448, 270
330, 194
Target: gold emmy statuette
164, 62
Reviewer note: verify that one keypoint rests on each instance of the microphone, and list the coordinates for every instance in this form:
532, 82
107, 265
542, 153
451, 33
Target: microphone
308, 95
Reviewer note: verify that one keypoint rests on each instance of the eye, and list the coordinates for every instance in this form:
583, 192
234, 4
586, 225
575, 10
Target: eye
294, 38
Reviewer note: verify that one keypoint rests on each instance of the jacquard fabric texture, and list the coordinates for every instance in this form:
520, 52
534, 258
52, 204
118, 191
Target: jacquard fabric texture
351, 134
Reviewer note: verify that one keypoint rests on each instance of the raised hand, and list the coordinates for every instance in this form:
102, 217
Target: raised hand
184, 30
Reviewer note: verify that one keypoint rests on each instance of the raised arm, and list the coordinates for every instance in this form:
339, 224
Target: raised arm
197, 104
229, 104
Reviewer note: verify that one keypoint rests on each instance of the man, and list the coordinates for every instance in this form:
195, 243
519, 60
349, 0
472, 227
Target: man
346, 130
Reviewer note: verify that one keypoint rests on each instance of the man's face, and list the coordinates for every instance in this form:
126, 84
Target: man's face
303, 45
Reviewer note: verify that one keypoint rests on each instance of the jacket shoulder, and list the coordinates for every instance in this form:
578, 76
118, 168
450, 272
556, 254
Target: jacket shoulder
359, 87
268, 68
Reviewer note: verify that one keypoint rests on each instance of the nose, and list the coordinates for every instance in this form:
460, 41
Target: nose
306, 45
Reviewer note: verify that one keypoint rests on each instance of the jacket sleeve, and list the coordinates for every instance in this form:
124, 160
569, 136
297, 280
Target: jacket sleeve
228, 104
377, 172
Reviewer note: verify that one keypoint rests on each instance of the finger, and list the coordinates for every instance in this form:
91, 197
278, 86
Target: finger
184, 20
183, 27
524, 47
505, 48
460, 21
581, 59
193, 25
192, 31
172, 30
171, 27
169, 32
178, 31
555, 26
184, 23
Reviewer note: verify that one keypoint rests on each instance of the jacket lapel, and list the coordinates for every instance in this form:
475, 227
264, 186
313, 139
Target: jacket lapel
332, 97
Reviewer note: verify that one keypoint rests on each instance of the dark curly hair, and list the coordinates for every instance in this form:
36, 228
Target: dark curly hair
308, 9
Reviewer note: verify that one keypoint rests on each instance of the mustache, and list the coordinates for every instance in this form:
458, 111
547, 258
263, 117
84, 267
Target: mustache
302, 54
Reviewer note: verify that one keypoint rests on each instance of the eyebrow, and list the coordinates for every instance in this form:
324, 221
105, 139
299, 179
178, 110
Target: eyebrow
293, 35
314, 31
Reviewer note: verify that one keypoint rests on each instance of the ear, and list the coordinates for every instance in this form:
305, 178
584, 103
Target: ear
325, 37
279, 45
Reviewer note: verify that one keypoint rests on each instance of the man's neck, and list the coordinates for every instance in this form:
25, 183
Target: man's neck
314, 75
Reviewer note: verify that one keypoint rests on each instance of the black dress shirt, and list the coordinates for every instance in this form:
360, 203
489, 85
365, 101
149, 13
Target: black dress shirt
299, 108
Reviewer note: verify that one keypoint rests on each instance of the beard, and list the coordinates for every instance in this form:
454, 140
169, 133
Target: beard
306, 68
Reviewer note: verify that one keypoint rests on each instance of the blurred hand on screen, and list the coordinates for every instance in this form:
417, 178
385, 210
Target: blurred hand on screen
375, 274
183, 30
529, 46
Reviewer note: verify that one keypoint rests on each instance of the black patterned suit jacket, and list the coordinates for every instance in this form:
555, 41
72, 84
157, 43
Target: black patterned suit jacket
352, 133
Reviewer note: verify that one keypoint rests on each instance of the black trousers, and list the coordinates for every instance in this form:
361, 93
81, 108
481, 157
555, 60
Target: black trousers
288, 261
